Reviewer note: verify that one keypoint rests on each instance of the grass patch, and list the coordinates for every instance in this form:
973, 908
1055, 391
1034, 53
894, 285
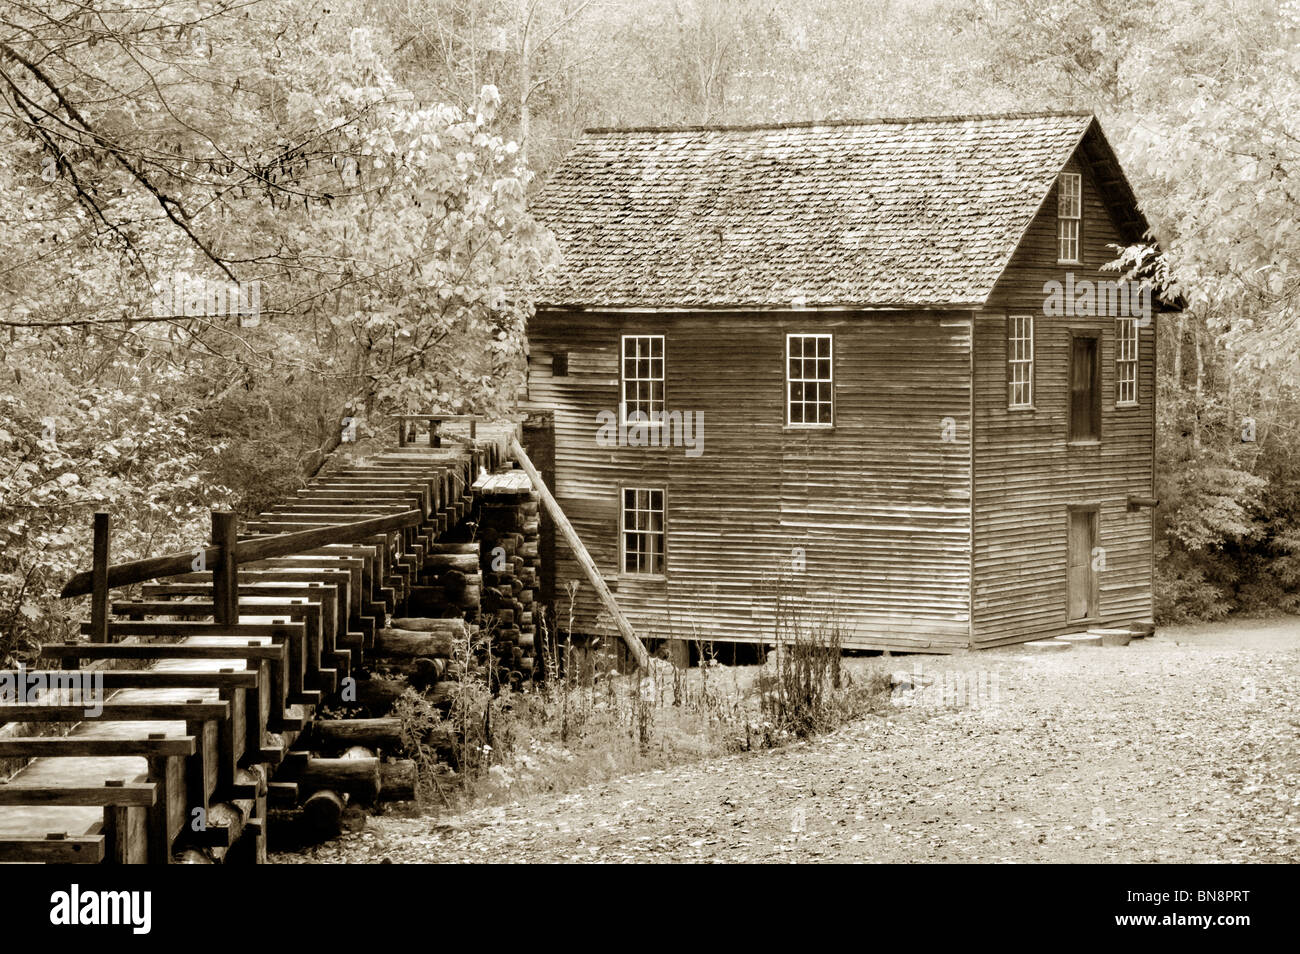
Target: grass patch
589, 721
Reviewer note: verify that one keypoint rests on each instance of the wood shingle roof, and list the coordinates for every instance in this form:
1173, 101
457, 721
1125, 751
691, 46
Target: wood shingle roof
879, 213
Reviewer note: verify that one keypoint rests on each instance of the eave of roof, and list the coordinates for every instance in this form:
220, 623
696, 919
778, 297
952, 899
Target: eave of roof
831, 123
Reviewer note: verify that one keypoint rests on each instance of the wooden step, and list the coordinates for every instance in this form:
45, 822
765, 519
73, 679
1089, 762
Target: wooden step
1081, 639
1045, 646
1112, 637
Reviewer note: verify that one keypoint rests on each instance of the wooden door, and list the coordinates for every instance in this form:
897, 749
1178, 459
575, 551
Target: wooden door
1082, 583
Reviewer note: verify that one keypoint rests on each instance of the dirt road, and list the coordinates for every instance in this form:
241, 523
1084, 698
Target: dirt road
1180, 748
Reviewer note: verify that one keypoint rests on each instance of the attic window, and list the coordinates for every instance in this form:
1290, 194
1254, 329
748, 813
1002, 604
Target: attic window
560, 364
1069, 211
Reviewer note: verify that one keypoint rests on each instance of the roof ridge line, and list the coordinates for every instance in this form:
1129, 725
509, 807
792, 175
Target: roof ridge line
866, 121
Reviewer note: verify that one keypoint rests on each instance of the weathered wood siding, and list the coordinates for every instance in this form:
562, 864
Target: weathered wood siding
880, 505
1026, 476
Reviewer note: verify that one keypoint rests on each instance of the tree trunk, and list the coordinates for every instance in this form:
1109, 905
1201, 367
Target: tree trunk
1200, 382
1180, 329
525, 79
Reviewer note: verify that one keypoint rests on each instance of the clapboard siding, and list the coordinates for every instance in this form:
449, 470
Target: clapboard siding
1026, 476
880, 504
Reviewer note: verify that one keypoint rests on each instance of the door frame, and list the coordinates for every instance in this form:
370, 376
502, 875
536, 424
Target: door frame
1094, 582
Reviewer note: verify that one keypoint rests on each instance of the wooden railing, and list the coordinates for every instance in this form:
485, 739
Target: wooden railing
223, 558
435, 422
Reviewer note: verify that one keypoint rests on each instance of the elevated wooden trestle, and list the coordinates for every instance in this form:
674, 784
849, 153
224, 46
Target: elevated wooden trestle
213, 673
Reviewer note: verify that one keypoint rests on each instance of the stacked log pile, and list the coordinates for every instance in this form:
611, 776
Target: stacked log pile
347, 766
509, 563
450, 584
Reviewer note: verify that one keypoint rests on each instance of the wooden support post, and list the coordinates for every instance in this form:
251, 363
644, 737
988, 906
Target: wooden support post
259, 707
225, 573
259, 833
401, 432
99, 573
197, 774
584, 559
227, 758
160, 847
117, 832
435, 438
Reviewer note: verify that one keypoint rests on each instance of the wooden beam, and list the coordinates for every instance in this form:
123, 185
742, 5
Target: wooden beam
79, 746
55, 848
192, 628
142, 794
116, 712
208, 608
225, 573
273, 652
150, 678
583, 557
434, 420
382, 733
99, 581
261, 548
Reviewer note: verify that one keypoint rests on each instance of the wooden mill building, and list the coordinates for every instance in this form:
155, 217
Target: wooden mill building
830, 352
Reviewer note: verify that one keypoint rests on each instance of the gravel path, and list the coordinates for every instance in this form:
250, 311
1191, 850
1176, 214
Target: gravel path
1180, 748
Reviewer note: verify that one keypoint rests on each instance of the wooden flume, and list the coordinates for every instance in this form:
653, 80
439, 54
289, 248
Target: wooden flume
369, 580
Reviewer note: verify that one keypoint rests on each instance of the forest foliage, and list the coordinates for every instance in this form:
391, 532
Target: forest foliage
227, 225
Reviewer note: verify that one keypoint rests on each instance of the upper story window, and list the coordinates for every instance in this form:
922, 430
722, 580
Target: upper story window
1085, 389
1069, 212
1126, 362
809, 386
1020, 361
643, 378
643, 530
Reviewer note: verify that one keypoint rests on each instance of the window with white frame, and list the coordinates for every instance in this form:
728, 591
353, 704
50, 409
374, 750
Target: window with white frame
1069, 211
1020, 361
1126, 361
643, 530
643, 378
810, 395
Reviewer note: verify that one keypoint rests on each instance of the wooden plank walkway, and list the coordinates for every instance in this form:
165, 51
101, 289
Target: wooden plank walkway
208, 678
